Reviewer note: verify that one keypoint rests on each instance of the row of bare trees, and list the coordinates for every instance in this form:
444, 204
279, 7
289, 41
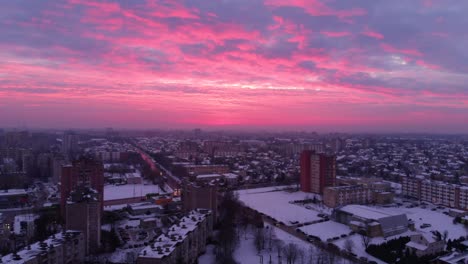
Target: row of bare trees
270, 247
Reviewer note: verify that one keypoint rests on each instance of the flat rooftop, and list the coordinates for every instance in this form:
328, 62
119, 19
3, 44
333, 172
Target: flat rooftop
367, 212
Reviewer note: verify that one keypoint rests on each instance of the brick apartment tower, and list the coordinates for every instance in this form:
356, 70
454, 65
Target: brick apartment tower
200, 195
83, 213
317, 171
83, 172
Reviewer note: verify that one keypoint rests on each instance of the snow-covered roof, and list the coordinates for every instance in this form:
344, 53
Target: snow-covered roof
417, 246
37, 248
115, 192
11, 192
367, 212
166, 243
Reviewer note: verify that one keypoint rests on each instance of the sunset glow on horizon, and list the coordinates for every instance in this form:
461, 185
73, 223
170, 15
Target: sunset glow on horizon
330, 65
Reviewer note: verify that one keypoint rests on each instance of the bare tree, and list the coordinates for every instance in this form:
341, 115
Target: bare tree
366, 240
278, 245
302, 256
290, 253
259, 239
348, 245
437, 235
331, 257
445, 236
310, 255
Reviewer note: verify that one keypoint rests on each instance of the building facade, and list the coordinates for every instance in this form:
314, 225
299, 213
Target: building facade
343, 195
84, 171
184, 241
440, 193
424, 244
317, 171
372, 221
83, 213
200, 195
66, 247
355, 194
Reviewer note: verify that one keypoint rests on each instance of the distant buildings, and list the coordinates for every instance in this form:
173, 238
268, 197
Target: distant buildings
24, 225
183, 243
372, 221
65, 247
13, 198
200, 195
450, 195
84, 171
317, 171
194, 170
83, 213
222, 148
69, 144
57, 164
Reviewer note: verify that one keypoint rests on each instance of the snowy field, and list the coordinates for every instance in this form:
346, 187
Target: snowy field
326, 230
358, 247
276, 204
247, 253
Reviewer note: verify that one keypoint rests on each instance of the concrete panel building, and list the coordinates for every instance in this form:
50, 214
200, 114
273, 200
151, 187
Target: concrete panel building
184, 241
65, 247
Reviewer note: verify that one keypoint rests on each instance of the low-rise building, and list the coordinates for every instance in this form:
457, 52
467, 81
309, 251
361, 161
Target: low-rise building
343, 195
372, 221
24, 224
354, 194
424, 244
13, 198
453, 258
145, 208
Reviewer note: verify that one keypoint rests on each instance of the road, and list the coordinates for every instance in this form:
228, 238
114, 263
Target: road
173, 181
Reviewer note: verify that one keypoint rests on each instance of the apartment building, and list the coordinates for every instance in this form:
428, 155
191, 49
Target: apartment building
354, 194
317, 171
66, 247
184, 241
441, 193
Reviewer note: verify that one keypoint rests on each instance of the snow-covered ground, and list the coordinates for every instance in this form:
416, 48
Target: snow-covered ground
247, 253
209, 256
326, 230
358, 248
276, 204
123, 255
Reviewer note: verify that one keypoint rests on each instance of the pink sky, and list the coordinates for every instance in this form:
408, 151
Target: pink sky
318, 65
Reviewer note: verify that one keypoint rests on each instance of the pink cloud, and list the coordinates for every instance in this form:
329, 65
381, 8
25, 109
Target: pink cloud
389, 48
368, 32
335, 34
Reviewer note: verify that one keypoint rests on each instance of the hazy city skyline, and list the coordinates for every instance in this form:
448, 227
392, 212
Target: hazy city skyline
351, 66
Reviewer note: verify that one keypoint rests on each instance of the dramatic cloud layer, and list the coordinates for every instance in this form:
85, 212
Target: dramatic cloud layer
374, 65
